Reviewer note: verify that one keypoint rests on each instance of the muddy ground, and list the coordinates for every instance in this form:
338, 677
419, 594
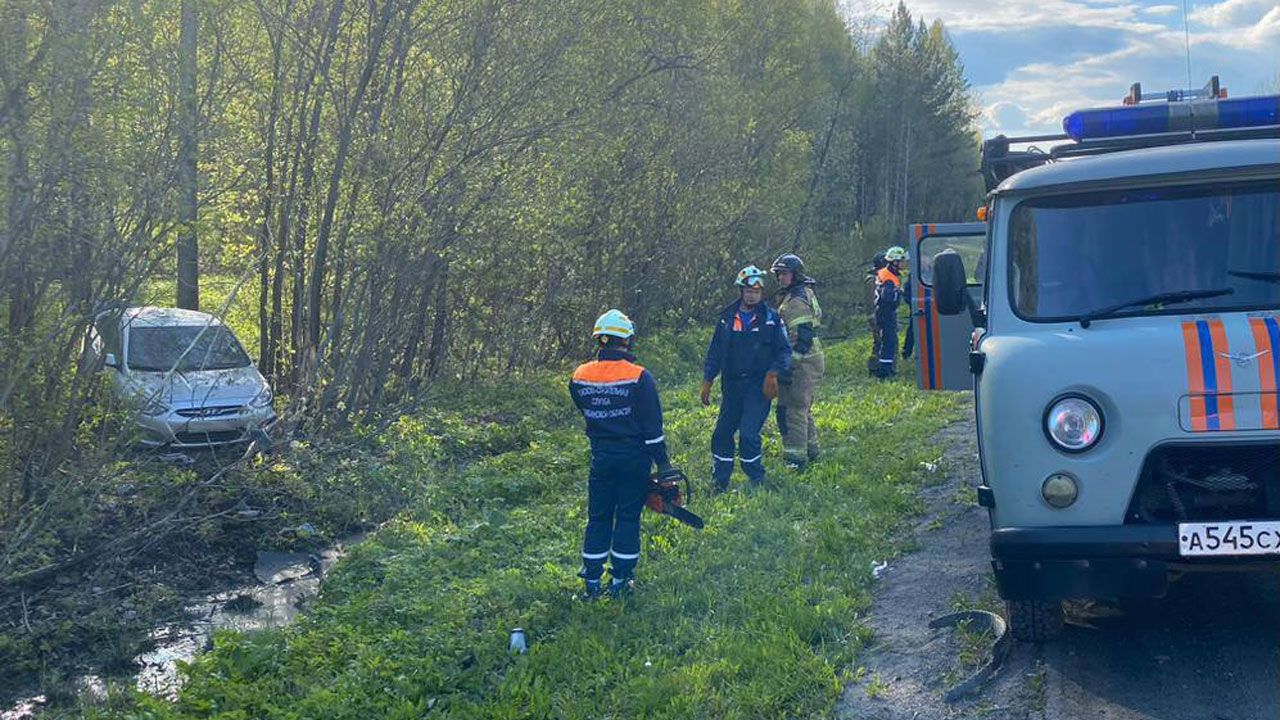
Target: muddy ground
1210, 650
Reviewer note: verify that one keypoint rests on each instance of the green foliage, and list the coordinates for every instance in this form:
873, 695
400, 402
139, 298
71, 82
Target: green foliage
756, 616
421, 206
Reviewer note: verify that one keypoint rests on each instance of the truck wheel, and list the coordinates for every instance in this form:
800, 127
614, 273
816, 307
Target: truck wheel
1035, 620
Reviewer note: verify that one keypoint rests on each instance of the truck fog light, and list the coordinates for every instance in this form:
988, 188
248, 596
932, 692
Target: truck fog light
1059, 490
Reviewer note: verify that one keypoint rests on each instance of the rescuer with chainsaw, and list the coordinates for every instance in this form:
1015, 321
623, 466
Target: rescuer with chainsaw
619, 400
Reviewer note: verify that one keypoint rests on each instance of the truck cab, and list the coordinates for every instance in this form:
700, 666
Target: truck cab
1120, 338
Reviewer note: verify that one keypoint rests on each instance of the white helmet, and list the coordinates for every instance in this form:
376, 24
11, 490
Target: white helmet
614, 323
895, 253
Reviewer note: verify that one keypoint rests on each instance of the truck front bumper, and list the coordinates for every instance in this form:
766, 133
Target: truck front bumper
1054, 563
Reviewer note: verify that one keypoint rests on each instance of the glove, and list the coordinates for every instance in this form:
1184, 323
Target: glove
770, 388
804, 338
705, 393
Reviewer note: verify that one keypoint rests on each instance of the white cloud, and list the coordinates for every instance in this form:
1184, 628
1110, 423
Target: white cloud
1049, 91
1016, 15
1234, 14
1265, 33
1007, 114
1097, 48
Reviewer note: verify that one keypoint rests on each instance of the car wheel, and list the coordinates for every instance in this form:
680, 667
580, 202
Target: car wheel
1035, 620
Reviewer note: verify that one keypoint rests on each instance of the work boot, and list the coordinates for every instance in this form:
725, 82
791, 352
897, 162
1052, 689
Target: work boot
719, 486
592, 590
795, 465
621, 589
814, 454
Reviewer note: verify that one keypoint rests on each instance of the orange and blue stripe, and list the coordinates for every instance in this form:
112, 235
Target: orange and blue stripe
1209, 376
1266, 341
925, 296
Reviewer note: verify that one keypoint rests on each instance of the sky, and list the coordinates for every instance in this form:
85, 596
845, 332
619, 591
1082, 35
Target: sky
1030, 62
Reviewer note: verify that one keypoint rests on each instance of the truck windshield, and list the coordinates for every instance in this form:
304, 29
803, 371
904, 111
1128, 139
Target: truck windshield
1071, 255
161, 348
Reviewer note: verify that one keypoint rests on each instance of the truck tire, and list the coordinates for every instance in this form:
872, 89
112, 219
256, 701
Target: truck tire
1035, 620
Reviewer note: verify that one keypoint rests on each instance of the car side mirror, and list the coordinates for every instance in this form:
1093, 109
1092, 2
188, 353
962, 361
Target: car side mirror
949, 284
951, 288
112, 361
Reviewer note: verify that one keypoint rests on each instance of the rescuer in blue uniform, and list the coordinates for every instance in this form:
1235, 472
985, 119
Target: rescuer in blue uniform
748, 351
619, 400
888, 296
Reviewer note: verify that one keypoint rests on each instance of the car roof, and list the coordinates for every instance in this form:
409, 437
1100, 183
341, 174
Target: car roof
1153, 161
151, 316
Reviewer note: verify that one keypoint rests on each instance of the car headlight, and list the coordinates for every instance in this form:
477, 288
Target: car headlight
263, 399
153, 407
1073, 423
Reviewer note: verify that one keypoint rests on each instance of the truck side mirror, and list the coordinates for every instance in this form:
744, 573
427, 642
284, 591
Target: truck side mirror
112, 361
949, 283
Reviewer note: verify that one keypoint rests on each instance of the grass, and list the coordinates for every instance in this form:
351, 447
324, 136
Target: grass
754, 617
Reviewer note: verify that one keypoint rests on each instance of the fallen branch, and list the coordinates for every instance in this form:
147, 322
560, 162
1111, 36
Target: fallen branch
148, 535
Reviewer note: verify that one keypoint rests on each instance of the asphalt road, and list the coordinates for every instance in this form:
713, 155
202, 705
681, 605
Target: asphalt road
1210, 650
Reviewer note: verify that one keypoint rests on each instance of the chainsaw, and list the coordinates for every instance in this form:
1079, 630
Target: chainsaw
667, 492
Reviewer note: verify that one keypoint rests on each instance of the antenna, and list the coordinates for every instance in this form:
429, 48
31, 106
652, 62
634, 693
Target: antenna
1186, 34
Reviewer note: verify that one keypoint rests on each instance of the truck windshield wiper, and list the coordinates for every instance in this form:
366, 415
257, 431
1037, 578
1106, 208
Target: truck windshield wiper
1264, 276
1167, 298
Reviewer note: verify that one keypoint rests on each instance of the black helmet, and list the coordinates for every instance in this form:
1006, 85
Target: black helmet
793, 263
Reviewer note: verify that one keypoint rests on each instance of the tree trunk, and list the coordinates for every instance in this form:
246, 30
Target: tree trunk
188, 118
435, 358
377, 36
312, 139
266, 348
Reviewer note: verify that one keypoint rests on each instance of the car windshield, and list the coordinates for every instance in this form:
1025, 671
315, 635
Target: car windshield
1070, 255
162, 348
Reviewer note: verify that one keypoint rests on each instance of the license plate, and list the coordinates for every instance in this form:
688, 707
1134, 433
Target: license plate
1240, 537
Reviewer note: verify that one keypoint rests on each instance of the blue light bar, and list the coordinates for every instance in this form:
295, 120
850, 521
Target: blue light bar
1116, 122
1249, 111
1163, 117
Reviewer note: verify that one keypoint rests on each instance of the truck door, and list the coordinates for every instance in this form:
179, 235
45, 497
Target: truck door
942, 341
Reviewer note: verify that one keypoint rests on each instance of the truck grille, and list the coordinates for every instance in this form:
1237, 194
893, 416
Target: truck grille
1201, 483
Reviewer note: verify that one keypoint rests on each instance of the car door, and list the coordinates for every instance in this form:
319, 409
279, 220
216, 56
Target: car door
942, 341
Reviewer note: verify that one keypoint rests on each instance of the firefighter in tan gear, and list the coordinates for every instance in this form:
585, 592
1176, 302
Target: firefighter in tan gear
802, 316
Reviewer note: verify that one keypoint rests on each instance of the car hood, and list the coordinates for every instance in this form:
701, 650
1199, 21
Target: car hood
199, 388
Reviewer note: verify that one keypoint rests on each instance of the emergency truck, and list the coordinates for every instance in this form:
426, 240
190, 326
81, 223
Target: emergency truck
1117, 316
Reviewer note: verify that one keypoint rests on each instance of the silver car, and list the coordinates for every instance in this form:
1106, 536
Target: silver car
193, 383
1126, 295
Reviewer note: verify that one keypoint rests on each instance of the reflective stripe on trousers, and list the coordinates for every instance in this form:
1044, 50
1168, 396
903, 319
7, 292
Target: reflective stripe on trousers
743, 410
616, 491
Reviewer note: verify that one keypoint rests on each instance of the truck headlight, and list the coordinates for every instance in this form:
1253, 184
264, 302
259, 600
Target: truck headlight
263, 399
1073, 423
